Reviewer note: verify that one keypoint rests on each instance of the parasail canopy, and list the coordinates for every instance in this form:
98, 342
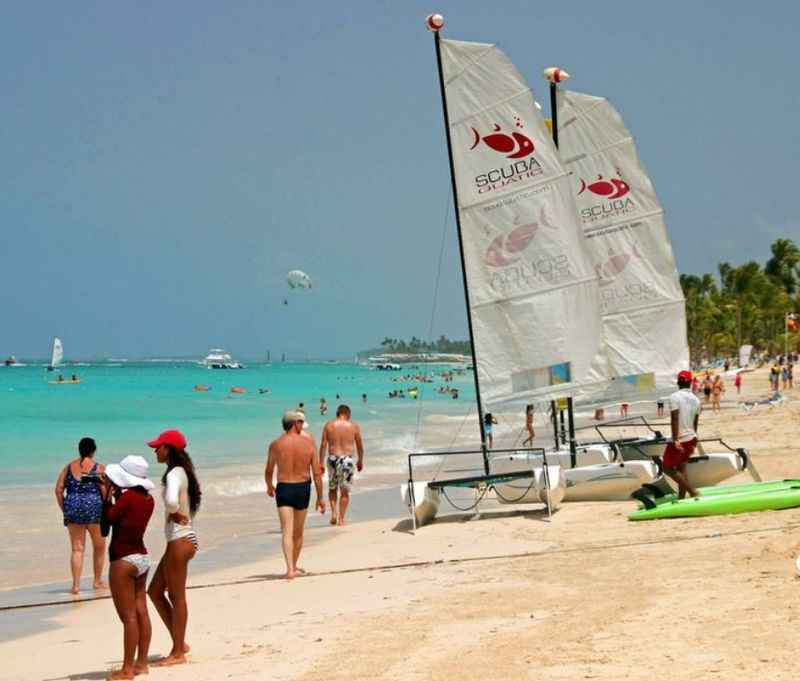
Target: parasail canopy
298, 279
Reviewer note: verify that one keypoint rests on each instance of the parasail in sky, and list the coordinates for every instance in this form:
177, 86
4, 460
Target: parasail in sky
298, 279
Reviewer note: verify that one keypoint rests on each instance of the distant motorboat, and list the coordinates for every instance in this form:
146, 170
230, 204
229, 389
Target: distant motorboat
217, 358
13, 362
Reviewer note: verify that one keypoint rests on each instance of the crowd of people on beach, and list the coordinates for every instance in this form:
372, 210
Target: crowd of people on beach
116, 499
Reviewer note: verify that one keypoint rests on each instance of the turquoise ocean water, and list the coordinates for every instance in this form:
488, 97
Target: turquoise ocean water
123, 404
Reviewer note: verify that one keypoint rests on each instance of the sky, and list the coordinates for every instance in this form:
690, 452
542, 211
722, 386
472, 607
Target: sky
163, 165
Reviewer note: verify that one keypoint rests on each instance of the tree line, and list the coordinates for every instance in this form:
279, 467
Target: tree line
746, 305
417, 345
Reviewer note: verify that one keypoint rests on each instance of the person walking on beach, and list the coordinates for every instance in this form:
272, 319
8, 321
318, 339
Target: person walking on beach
181, 494
737, 381
707, 387
529, 425
489, 421
295, 457
717, 388
127, 572
685, 413
79, 494
340, 438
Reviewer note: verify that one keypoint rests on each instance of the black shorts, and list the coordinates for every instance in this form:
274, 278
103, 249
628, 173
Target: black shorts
294, 494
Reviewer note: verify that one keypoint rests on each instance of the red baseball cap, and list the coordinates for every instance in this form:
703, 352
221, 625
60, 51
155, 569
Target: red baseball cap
685, 376
169, 437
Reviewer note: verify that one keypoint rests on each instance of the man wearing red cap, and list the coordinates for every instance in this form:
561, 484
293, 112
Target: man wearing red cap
685, 413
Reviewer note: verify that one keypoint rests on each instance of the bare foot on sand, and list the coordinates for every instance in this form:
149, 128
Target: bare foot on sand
100, 585
291, 574
333, 519
120, 674
140, 669
170, 660
75, 590
341, 522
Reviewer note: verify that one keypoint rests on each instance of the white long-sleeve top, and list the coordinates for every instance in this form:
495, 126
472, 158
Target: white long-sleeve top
176, 500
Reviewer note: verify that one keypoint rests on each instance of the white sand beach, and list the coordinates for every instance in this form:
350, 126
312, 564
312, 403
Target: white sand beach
587, 595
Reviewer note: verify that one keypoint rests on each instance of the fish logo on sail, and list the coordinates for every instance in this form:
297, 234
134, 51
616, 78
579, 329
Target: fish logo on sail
608, 189
615, 265
513, 145
504, 249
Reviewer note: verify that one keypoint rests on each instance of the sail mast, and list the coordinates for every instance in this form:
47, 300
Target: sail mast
435, 22
553, 75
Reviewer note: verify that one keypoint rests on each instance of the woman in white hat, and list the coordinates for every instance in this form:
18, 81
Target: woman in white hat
127, 572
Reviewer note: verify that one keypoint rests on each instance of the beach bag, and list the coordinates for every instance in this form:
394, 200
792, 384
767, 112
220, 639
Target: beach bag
105, 523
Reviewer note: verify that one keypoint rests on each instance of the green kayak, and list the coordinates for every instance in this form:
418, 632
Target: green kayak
720, 490
724, 504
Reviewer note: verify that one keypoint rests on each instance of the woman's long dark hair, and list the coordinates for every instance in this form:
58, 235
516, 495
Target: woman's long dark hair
180, 457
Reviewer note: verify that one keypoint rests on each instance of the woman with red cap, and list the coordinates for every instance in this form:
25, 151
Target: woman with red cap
181, 493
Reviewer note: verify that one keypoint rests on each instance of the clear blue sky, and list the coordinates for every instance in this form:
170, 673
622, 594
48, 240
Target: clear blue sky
162, 165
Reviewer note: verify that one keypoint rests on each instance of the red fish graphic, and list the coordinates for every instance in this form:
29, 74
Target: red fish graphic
516, 241
610, 189
615, 265
515, 145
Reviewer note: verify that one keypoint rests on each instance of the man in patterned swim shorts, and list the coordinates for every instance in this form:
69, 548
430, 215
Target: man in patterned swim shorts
340, 438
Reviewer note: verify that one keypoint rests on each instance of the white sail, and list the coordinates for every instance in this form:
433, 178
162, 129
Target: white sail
644, 320
533, 289
58, 353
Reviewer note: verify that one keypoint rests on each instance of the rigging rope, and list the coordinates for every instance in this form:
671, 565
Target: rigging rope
433, 305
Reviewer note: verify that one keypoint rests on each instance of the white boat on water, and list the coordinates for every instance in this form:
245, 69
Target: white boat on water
57, 355
217, 358
13, 362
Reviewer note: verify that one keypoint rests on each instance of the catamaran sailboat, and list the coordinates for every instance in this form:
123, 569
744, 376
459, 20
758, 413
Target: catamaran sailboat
570, 282
57, 355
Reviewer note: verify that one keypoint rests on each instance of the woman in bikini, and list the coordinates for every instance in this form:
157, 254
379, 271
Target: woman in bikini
529, 426
717, 388
79, 494
181, 495
127, 572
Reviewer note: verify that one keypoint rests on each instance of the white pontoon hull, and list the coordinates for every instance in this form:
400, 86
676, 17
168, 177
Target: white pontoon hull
533, 490
424, 503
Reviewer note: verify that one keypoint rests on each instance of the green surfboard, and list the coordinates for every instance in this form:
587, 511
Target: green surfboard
719, 490
724, 504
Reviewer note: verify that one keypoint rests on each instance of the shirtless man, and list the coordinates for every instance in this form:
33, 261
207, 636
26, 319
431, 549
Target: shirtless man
295, 456
339, 438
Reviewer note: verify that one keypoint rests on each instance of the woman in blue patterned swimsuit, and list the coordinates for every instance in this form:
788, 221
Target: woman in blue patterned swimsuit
79, 493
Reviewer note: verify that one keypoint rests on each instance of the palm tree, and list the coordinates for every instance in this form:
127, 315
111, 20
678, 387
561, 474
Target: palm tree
784, 265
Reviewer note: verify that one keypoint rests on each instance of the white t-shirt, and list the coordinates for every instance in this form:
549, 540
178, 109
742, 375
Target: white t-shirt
688, 406
176, 500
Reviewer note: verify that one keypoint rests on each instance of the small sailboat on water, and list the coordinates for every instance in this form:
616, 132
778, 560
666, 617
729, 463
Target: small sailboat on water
57, 355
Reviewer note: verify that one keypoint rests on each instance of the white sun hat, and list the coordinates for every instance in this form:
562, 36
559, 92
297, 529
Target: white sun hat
130, 472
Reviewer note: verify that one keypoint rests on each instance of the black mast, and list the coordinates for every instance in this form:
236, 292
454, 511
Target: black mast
484, 451
554, 76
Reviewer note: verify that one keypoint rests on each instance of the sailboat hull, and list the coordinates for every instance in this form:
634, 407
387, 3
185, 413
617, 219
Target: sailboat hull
534, 490
422, 501
602, 481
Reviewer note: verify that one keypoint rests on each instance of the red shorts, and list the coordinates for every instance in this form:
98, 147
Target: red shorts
672, 457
